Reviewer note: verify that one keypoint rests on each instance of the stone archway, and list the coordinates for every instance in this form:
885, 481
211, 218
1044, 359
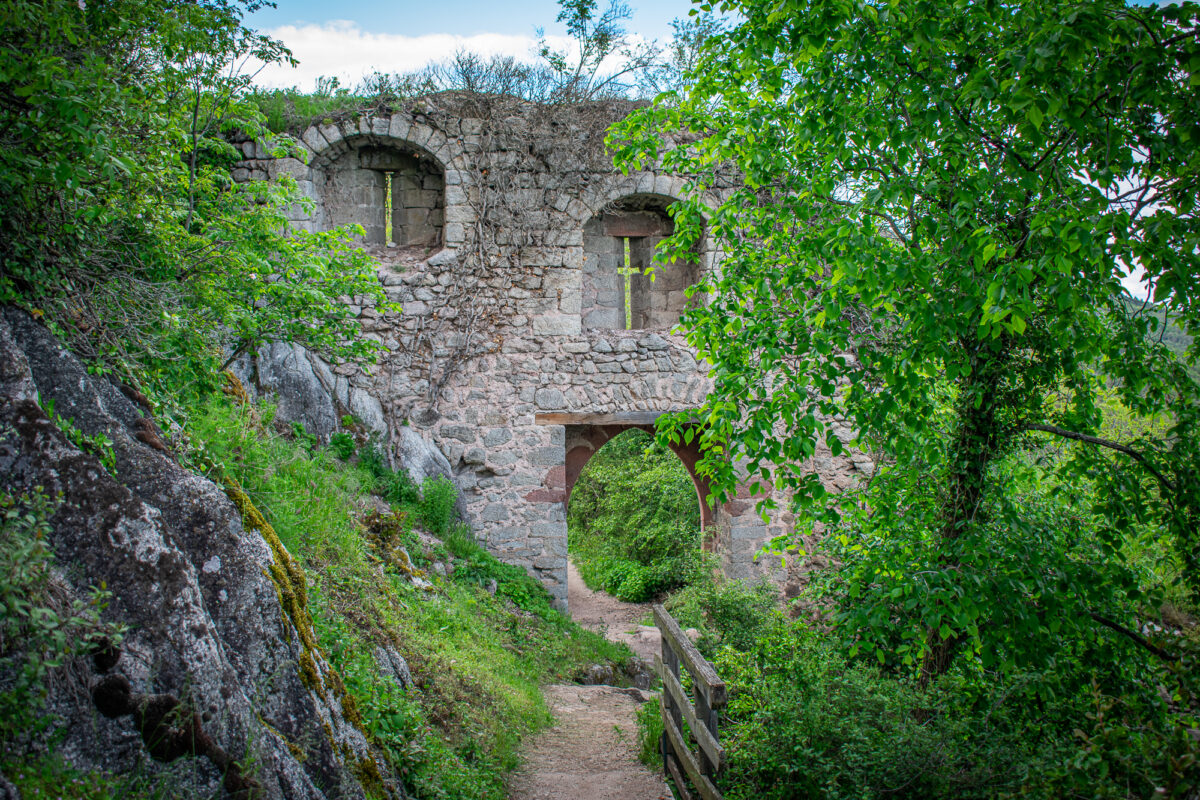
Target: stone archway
584, 439
732, 530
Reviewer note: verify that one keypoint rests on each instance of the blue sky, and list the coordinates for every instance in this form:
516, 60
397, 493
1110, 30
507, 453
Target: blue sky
651, 18
352, 38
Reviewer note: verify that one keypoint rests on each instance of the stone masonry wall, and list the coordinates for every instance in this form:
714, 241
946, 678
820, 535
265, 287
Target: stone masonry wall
493, 355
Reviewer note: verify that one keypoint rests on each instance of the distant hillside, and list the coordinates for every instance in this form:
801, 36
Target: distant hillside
1170, 335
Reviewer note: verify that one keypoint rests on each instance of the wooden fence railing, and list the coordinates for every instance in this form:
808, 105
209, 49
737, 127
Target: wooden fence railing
702, 766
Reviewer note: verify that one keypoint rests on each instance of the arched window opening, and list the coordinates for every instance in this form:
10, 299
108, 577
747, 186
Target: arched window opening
618, 291
397, 195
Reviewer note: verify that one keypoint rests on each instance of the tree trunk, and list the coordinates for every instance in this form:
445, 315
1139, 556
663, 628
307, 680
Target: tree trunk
975, 445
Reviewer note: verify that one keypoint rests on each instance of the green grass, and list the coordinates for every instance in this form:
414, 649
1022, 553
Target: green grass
48, 776
478, 659
291, 111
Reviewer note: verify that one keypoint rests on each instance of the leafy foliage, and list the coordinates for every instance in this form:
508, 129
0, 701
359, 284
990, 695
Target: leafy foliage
634, 520
41, 627
119, 221
436, 509
727, 613
804, 721
935, 207
394, 485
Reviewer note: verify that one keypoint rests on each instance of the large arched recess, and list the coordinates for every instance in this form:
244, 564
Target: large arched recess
585, 434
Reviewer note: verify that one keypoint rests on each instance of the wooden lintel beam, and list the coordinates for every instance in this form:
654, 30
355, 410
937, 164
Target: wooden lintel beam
577, 418
637, 225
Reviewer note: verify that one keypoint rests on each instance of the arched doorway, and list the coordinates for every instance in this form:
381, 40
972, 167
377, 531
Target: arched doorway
633, 518
584, 440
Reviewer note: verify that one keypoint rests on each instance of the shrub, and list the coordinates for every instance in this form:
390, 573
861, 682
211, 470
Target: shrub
733, 613
393, 485
343, 446
803, 721
40, 629
436, 509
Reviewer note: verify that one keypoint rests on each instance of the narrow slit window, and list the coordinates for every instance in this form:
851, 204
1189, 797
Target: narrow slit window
627, 283
389, 232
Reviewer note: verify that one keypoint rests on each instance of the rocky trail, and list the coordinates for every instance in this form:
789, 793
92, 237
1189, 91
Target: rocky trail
591, 752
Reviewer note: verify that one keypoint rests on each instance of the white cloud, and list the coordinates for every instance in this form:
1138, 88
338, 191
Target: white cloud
344, 50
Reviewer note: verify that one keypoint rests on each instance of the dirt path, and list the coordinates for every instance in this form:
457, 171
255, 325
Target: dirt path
591, 752
617, 620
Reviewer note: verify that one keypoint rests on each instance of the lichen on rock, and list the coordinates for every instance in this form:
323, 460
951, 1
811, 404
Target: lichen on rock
234, 641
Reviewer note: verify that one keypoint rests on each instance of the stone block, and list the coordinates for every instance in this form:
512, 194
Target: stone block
549, 530
497, 437
315, 141
454, 234
503, 459
548, 456
505, 535
547, 325
463, 433
549, 399
495, 512
550, 561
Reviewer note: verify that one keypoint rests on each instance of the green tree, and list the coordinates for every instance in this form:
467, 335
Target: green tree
604, 61
119, 220
931, 206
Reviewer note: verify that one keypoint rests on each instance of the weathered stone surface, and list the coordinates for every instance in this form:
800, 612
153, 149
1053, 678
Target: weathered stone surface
549, 399
536, 288
393, 667
418, 457
301, 388
188, 579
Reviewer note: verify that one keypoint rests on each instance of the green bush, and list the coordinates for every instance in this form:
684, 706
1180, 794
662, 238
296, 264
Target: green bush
343, 446
40, 629
634, 520
733, 613
393, 485
436, 508
805, 721
46, 775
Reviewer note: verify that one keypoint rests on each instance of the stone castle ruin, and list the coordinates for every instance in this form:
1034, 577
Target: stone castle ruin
505, 234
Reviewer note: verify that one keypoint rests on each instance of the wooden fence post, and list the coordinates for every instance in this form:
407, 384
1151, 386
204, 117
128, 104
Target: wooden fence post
679, 762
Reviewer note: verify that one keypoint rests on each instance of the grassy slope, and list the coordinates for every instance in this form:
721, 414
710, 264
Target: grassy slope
477, 659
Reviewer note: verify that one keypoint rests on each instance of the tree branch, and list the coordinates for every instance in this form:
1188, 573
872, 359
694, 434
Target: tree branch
1133, 636
1096, 440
